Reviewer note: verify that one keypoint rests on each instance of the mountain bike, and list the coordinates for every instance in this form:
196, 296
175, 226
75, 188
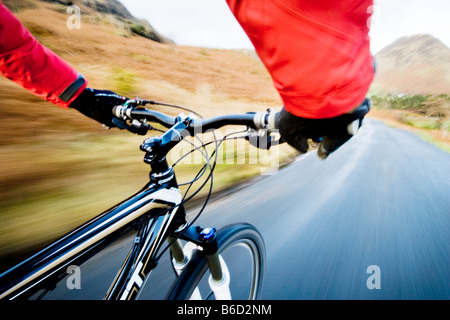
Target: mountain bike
157, 218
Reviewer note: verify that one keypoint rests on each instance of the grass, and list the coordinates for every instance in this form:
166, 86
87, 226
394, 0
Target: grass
443, 145
428, 115
435, 131
123, 81
16, 6
66, 182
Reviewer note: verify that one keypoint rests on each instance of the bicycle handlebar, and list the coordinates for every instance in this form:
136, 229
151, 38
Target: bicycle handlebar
156, 148
256, 120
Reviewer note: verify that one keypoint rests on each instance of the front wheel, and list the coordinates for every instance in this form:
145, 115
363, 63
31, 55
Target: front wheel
242, 249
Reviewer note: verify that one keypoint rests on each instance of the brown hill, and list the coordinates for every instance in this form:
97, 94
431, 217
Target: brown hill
412, 85
418, 64
112, 10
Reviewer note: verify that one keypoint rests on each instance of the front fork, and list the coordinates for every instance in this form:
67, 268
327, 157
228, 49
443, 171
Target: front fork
204, 240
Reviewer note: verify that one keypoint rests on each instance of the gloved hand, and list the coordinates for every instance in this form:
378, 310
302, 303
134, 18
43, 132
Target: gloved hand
331, 133
98, 104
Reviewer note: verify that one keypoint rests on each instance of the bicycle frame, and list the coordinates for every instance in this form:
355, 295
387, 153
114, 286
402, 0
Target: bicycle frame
155, 211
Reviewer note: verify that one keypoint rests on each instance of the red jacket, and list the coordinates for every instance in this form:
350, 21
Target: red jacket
36, 68
317, 51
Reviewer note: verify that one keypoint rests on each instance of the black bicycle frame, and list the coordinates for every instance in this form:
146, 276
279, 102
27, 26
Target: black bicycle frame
155, 212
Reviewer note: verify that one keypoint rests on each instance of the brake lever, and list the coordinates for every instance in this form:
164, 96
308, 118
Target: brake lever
261, 139
136, 127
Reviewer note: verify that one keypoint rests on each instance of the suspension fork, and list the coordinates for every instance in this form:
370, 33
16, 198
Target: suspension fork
197, 236
219, 280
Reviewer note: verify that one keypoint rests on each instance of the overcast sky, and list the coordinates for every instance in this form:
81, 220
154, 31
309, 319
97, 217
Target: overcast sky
209, 23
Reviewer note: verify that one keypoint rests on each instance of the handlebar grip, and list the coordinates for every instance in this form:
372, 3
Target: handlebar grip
119, 111
127, 112
153, 116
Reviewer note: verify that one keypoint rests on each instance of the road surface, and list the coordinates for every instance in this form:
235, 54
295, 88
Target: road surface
370, 222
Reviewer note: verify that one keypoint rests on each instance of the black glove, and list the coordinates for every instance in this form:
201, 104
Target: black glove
331, 133
98, 104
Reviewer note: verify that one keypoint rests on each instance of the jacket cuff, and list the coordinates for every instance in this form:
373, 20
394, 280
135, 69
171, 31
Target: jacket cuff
69, 94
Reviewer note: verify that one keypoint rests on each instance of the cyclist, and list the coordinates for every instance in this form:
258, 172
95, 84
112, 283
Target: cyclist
317, 53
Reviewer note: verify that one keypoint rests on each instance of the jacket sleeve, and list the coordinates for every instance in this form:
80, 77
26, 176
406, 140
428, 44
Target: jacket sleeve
317, 52
33, 66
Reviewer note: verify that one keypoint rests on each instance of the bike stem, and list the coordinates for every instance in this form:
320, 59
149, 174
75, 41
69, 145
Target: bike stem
157, 148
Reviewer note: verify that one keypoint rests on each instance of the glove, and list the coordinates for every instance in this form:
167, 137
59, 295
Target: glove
98, 104
332, 133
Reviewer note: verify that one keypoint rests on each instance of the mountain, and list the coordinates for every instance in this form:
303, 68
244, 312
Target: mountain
418, 64
112, 10
105, 6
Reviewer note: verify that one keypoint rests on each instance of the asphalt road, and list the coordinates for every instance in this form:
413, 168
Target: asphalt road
382, 200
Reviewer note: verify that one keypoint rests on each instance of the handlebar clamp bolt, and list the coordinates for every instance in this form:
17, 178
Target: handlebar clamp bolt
148, 144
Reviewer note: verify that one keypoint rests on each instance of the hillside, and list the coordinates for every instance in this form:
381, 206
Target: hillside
107, 10
418, 64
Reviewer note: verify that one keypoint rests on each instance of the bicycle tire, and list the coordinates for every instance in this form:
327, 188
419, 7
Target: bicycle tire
228, 237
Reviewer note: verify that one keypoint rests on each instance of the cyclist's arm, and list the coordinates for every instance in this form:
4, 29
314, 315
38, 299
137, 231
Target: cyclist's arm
317, 52
33, 66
